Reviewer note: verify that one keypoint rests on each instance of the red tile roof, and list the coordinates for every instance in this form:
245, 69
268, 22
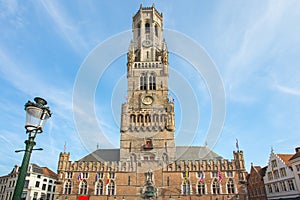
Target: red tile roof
286, 158
49, 173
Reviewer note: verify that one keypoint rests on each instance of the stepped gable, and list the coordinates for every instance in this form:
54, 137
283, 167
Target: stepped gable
196, 153
102, 155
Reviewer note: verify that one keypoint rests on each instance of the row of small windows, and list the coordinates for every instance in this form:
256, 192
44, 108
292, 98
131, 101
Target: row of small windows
281, 186
147, 29
146, 65
148, 83
100, 187
257, 192
201, 187
275, 174
140, 118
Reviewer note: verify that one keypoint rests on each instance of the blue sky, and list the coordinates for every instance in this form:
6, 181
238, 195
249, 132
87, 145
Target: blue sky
255, 46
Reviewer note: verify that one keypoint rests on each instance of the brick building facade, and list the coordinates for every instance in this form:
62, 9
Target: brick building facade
255, 183
148, 164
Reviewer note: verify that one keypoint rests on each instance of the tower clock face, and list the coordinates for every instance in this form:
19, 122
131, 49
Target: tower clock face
147, 100
147, 43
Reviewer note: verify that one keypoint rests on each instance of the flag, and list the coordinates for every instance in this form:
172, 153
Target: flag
79, 177
126, 98
65, 147
171, 99
237, 144
96, 177
108, 178
202, 177
220, 176
186, 173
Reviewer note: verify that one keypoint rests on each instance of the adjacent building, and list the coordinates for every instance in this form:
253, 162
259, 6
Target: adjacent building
279, 179
148, 164
255, 183
40, 184
295, 164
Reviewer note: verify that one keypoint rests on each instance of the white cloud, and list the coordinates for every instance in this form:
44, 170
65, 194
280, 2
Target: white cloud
65, 25
288, 90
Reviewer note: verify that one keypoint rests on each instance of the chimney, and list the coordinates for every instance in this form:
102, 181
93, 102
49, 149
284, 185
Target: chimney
297, 149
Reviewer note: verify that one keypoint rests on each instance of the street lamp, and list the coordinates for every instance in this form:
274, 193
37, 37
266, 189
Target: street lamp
36, 116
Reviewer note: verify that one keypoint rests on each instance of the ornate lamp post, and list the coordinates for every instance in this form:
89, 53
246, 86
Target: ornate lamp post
36, 116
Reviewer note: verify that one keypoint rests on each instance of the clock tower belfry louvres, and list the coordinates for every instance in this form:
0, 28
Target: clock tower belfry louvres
148, 164
147, 121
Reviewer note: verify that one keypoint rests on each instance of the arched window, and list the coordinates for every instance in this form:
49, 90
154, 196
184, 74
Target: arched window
133, 157
139, 29
165, 158
152, 82
147, 28
156, 30
99, 188
83, 187
132, 118
230, 186
186, 187
163, 118
215, 187
201, 188
155, 118
68, 187
143, 82
140, 118
147, 118
111, 188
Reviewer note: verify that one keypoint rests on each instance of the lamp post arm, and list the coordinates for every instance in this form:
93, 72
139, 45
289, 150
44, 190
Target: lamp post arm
30, 143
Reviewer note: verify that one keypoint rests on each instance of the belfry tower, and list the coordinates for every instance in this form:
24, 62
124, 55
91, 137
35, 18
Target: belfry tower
147, 120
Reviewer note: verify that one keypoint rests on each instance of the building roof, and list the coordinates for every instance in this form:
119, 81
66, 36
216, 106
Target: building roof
36, 169
262, 171
103, 155
182, 153
196, 153
285, 158
296, 155
49, 173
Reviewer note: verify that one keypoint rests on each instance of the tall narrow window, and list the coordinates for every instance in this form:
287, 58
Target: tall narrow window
140, 118
83, 187
152, 82
139, 30
143, 82
99, 188
230, 187
147, 28
128, 180
111, 188
156, 30
147, 118
201, 188
68, 187
215, 187
132, 118
168, 181
186, 187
